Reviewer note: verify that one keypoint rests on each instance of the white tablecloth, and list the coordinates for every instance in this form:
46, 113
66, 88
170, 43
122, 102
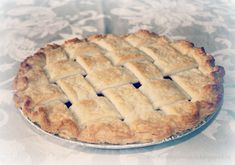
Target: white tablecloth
29, 24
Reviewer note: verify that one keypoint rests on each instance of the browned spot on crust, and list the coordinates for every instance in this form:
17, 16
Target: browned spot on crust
73, 40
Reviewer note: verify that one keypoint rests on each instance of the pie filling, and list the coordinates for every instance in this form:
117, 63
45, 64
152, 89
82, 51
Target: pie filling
136, 88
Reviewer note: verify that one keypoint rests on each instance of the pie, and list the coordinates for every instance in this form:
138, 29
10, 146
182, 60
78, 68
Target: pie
135, 88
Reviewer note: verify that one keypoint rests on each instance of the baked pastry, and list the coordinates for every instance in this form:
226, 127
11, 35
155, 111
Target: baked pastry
135, 88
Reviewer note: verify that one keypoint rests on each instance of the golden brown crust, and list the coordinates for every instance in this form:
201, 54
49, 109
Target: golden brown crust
92, 110
144, 70
114, 132
55, 118
217, 74
20, 83
76, 88
182, 115
146, 33
24, 103
205, 61
146, 131
94, 37
207, 108
89, 55
52, 46
213, 92
134, 118
182, 46
118, 50
30, 71
110, 77
168, 59
37, 59
35, 95
162, 92
73, 40
28, 77
63, 68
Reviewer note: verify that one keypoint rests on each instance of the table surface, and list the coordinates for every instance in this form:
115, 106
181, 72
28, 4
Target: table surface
28, 24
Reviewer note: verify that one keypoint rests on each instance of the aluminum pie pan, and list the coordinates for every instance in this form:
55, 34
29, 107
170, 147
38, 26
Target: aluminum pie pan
172, 140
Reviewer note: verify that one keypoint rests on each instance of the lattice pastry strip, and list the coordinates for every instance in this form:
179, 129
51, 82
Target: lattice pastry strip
137, 111
76, 88
129, 102
54, 53
93, 63
143, 37
119, 51
144, 70
89, 55
93, 58
162, 92
100, 121
82, 48
110, 77
168, 59
58, 65
63, 68
91, 110
193, 82
165, 57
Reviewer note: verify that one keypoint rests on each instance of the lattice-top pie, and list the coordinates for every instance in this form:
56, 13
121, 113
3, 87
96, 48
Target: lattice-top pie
135, 88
